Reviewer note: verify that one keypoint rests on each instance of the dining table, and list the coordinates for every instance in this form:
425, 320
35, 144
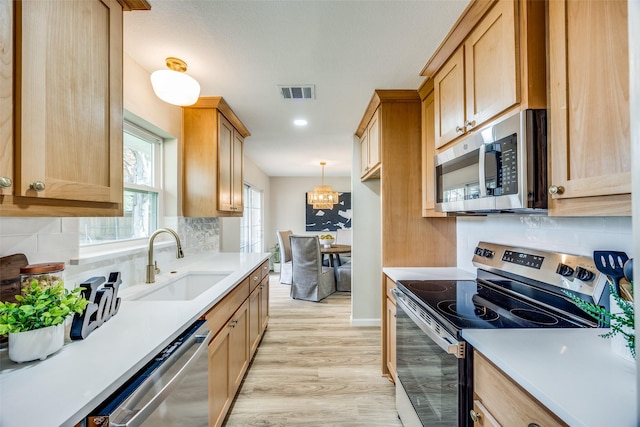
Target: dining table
334, 252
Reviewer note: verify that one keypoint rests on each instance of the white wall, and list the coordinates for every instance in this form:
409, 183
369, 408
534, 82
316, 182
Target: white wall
579, 236
288, 202
366, 257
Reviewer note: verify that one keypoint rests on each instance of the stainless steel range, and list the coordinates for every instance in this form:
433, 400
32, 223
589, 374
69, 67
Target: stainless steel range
515, 288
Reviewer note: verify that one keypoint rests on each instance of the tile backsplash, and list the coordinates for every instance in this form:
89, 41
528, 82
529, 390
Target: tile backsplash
56, 239
577, 235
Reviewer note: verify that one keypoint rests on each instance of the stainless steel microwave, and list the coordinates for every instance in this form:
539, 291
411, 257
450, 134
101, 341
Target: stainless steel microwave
501, 167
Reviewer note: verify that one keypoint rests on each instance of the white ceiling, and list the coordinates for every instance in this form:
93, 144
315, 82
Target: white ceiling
242, 50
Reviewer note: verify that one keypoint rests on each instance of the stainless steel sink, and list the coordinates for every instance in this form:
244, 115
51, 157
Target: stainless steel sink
183, 288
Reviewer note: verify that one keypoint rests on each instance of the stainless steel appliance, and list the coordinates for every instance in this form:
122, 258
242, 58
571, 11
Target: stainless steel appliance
501, 167
170, 390
515, 288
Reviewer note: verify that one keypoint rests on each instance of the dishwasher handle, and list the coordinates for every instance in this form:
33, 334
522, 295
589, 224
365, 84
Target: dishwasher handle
143, 413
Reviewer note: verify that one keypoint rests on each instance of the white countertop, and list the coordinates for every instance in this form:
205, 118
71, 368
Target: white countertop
62, 389
573, 372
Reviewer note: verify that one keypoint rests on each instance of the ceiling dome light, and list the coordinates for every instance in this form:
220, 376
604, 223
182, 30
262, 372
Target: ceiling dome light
300, 122
174, 85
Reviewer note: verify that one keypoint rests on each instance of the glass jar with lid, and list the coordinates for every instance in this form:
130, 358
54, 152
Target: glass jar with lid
46, 274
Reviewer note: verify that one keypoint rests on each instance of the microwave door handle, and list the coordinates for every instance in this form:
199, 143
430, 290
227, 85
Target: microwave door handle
482, 180
143, 413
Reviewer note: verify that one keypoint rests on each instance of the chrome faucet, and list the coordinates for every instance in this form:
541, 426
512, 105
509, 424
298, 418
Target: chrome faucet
152, 266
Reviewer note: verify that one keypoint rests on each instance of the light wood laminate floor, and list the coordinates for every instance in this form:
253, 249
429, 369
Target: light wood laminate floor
314, 369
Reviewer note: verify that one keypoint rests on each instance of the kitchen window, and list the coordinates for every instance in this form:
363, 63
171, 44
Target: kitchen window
251, 222
142, 152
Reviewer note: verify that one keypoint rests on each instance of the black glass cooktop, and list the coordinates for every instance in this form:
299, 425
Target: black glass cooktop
465, 304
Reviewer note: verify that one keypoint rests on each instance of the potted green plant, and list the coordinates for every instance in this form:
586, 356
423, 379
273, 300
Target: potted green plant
35, 323
275, 258
620, 317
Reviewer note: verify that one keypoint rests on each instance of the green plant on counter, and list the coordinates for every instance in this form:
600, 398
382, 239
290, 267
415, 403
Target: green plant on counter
40, 306
621, 323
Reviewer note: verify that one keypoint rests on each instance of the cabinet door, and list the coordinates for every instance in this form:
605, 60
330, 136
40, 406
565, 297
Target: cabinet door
428, 155
219, 379
481, 417
589, 107
491, 65
69, 115
225, 164
236, 173
6, 98
364, 153
448, 86
255, 324
264, 303
239, 347
374, 142
391, 338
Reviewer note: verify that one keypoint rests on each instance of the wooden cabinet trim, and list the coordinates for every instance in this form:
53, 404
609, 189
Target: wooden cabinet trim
468, 19
220, 104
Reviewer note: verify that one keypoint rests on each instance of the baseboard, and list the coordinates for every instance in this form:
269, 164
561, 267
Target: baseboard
365, 322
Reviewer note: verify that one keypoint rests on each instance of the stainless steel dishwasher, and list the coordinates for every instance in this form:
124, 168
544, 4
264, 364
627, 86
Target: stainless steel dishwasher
171, 390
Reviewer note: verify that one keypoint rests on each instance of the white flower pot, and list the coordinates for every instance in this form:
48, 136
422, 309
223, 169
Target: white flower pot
276, 267
36, 344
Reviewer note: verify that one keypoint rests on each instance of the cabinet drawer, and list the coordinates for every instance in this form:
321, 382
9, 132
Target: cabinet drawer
222, 311
264, 269
509, 403
389, 286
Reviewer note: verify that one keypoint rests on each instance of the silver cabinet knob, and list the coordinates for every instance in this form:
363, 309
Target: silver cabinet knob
469, 124
533, 425
5, 182
459, 129
475, 416
37, 186
556, 189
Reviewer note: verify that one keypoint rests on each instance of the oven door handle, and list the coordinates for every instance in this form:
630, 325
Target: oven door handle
448, 344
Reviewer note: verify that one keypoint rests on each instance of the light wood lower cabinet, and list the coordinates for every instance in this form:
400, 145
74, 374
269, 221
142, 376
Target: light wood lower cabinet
239, 323
498, 400
389, 330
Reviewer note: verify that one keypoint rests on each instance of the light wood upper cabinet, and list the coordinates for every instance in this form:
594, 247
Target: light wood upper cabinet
63, 122
490, 65
501, 401
428, 151
370, 149
449, 92
6, 98
492, 61
213, 139
590, 157
230, 184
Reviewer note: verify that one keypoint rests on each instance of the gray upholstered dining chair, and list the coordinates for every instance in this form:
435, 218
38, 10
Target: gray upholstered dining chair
285, 256
309, 280
343, 277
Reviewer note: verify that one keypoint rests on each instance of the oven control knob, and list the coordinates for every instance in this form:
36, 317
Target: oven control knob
564, 270
487, 253
479, 251
584, 274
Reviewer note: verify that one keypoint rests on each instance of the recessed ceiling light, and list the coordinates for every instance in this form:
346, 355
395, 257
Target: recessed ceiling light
300, 122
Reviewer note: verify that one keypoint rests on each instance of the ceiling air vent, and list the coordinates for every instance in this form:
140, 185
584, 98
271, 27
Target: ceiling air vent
297, 91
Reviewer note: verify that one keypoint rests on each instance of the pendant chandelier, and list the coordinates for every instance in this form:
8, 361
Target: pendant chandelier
322, 196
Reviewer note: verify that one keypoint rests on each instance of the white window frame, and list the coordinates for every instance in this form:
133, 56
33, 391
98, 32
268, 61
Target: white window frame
247, 209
